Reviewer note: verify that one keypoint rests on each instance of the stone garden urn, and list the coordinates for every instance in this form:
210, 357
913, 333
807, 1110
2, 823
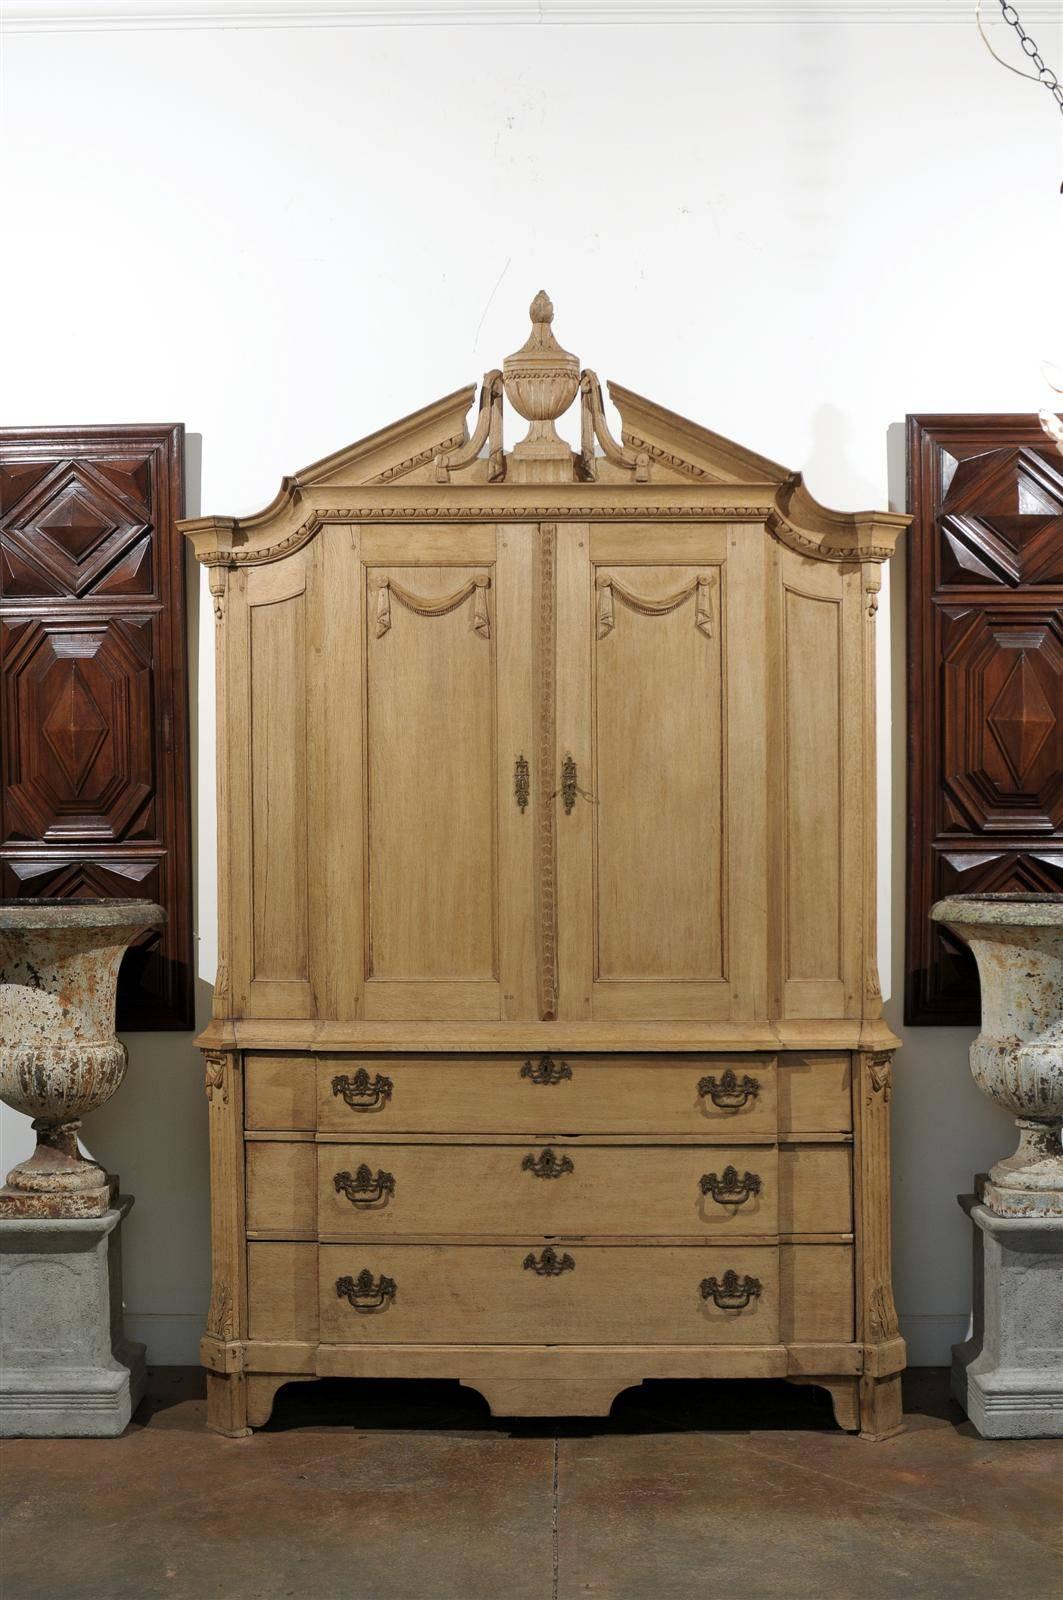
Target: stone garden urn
59, 1057
1017, 1058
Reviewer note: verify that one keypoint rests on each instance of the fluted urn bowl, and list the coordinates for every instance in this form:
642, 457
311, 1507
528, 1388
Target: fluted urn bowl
59, 1057
541, 379
1017, 1058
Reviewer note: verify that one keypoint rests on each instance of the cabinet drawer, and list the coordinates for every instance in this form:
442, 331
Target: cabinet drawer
548, 1094
523, 1189
542, 1294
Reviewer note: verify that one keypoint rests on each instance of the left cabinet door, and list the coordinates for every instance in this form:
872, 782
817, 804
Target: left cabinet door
447, 826
380, 697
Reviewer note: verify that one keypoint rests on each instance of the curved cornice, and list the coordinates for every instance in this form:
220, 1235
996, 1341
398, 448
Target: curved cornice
798, 521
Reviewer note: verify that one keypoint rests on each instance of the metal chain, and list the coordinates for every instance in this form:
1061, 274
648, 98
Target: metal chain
1043, 74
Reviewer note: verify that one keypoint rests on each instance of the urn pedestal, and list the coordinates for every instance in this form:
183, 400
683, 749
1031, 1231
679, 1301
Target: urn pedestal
65, 1366
1009, 1375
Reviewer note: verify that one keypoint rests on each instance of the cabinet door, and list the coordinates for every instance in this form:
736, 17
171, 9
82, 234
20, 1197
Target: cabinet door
660, 729
448, 905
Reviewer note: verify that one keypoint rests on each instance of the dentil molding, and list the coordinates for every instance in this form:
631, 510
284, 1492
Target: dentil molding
100, 16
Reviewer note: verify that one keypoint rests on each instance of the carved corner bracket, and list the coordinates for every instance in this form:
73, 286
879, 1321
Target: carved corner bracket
216, 1075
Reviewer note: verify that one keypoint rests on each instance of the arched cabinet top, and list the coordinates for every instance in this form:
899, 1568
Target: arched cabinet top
433, 467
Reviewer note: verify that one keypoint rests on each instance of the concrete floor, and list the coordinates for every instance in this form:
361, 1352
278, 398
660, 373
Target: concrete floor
395, 1491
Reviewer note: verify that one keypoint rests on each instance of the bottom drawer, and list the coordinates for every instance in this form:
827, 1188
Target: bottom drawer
542, 1294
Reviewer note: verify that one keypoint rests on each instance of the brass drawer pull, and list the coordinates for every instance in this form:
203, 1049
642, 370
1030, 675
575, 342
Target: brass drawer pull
362, 1093
363, 1189
547, 1071
549, 1264
731, 1190
522, 782
548, 1165
730, 1292
366, 1293
728, 1094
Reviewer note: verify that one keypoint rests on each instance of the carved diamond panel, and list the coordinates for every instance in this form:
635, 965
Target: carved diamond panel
1002, 722
66, 531
78, 697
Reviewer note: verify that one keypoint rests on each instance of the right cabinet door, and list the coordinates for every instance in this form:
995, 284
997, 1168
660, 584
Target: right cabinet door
661, 806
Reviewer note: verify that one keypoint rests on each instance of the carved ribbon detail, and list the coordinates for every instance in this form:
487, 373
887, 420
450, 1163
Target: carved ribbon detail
477, 585
701, 587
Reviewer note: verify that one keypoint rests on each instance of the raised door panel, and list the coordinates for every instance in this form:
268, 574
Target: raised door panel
274, 629
93, 701
650, 650
447, 714
818, 789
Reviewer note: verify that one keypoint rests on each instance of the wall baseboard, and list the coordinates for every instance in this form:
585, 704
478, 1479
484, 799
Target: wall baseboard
106, 16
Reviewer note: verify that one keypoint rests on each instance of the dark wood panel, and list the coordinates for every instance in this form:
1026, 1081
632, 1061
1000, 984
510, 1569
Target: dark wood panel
94, 774
985, 684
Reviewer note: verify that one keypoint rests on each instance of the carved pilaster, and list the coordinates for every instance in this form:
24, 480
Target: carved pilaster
876, 1315
225, 1318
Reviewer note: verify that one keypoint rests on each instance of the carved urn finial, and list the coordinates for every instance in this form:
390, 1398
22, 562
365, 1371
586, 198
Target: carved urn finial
541, 380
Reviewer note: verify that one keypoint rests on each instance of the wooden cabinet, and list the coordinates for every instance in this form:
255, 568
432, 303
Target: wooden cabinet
547, 1050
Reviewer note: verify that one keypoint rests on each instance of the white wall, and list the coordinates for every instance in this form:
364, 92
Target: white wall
287, 238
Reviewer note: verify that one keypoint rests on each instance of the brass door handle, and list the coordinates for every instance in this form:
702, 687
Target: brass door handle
547, 1071
569, 784
363, 1189
366, 1293
731, 1190
362, 1093
728, 1093
548, 1165
549, 1264
730, 1292
521, 782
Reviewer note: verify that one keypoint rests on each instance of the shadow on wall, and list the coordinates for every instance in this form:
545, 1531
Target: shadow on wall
153, 1134
944, 1129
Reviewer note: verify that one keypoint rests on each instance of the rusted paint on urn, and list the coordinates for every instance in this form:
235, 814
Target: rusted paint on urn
59, 1057
1017, 1058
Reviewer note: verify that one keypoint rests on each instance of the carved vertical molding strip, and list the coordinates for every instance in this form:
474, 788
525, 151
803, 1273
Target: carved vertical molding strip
546, 863
220, 1348
877, 1328
218, 579
872, 997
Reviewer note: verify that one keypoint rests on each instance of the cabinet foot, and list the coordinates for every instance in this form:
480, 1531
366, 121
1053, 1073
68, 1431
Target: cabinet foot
227, 1404
881, 1409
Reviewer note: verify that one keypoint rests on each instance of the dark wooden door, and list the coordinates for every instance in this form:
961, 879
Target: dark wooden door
94, 781
985, 684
